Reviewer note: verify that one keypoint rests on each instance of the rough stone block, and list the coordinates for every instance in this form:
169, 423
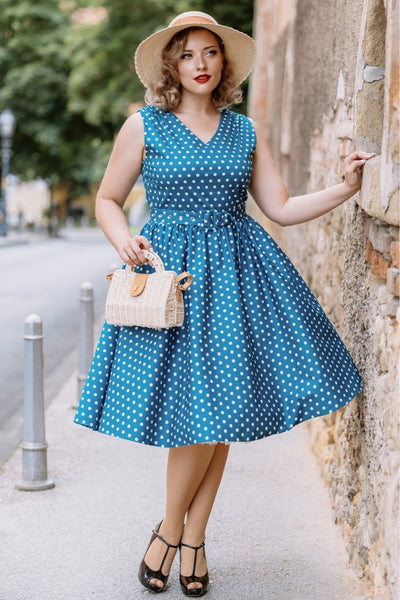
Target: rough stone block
395, 254
389, 304
368, 252
380, 237
393, 281
369, 112
393, 307
374, 234
369, 197
387, 240
383, 295
379, 265
375, 27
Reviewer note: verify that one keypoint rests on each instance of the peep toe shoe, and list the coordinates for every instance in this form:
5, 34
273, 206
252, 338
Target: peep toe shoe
146, 574
185, 581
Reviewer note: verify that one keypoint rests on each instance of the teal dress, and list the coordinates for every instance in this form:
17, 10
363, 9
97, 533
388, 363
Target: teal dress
256, 354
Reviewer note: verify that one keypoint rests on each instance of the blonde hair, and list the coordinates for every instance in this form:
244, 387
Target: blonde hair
165, 92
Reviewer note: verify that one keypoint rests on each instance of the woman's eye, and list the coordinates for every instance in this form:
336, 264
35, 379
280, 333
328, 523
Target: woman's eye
212, 52
186, 55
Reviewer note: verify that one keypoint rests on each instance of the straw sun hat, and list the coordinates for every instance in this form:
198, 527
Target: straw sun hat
239, 47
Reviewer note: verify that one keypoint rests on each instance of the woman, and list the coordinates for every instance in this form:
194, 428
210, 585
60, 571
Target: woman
256, 354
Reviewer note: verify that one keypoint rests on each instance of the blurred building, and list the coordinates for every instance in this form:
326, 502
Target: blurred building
134, 208
27, 203
326, 82
89, 15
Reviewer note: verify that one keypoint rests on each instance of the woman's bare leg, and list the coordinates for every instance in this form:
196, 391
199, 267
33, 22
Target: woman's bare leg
199, 512
187, 467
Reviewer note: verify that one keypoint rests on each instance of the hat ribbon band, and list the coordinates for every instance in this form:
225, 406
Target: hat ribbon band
193, 20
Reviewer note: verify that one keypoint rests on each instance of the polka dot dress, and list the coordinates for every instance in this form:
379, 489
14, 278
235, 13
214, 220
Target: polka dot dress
256, 354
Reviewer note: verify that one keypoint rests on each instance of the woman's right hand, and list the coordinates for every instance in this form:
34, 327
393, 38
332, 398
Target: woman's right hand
131, 250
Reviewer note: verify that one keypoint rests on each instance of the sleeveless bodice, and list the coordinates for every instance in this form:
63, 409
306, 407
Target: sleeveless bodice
181, 172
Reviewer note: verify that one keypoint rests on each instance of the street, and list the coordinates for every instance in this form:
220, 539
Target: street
44, 277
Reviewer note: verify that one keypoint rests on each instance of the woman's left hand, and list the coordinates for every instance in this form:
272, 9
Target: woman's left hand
353, 168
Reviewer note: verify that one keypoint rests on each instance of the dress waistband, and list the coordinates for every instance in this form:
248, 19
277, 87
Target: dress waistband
207, 218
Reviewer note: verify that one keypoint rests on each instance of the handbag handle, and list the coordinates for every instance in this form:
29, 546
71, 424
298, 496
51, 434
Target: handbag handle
154, 260
157, 263
185, 275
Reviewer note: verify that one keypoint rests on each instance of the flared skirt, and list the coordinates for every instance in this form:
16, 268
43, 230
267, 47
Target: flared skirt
255, 356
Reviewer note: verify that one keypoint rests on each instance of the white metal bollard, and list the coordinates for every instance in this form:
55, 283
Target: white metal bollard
86, 318
34, 446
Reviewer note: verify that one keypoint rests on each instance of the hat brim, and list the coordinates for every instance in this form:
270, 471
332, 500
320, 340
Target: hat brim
240, 49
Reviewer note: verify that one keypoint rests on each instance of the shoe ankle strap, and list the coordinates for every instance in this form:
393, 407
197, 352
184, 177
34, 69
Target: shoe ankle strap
194, 547
160, 537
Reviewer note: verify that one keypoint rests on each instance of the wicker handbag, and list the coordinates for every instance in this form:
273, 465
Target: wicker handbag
146, 299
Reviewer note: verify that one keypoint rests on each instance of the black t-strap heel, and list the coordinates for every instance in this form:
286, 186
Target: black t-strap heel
204, 579
146, 574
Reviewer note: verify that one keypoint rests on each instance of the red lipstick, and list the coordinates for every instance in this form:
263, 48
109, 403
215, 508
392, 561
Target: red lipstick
202, 78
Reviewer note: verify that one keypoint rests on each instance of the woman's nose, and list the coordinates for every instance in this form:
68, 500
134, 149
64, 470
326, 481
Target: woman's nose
200, 63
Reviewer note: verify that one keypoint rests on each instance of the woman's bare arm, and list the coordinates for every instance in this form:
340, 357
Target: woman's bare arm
271, 195
122, 171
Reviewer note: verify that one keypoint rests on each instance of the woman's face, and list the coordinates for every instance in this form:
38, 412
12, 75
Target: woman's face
201, 62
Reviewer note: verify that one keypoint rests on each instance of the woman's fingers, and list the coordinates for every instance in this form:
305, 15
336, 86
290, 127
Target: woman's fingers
132, 250
142, 241
125, 256
353, 167
355, 164
357, 156
139, 242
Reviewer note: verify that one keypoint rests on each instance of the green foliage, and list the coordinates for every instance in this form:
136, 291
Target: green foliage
238, 14
34, 72
102, 84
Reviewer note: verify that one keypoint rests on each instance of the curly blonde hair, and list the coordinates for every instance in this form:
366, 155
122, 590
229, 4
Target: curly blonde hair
166, 91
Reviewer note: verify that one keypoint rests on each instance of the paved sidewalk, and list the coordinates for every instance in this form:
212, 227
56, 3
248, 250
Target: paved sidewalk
271, 536
15, 239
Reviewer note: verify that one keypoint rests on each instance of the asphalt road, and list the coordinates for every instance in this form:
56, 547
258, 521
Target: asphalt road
44, 277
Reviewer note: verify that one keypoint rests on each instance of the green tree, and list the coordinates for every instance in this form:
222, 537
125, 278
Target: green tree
238, 14
102, 84
34, 72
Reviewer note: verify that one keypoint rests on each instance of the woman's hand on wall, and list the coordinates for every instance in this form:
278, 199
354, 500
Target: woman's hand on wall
354, 164
270, 193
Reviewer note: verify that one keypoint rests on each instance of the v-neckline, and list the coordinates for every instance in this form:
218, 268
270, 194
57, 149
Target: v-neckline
222, 112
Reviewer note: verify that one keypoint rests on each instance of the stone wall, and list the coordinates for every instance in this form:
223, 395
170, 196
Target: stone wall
327, 81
